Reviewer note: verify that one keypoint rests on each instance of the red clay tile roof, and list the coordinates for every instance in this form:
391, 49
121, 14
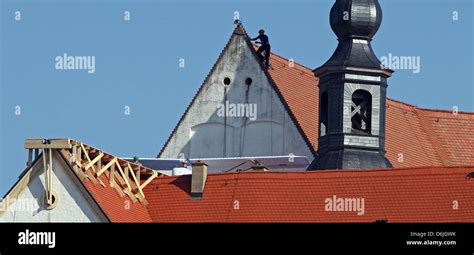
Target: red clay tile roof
117, 209
401, 195
437, 140
416, 136
300, 90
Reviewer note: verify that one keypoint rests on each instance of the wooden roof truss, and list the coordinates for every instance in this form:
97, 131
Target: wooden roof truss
92, 164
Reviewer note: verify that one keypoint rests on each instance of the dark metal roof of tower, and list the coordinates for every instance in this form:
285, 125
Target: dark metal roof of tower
355, 22
360, 18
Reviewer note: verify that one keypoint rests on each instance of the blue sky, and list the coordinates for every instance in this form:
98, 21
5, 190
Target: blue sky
137, 63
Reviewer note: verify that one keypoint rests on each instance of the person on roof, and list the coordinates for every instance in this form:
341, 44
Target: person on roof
264, 46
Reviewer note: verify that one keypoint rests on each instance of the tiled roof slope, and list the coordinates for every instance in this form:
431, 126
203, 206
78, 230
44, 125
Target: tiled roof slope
117, 209
300, 89
402, 195
414, 136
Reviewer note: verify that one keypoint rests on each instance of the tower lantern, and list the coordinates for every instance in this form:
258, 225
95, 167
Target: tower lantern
352, 92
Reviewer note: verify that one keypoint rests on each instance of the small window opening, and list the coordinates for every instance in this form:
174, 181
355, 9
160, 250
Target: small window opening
226, 81
248, 81
361, 116
324, 114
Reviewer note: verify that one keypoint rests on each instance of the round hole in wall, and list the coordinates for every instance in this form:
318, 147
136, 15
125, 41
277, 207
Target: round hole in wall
248, 81
226, 81
54, 201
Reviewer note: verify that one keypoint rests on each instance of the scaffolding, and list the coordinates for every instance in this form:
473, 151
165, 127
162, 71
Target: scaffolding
92, 164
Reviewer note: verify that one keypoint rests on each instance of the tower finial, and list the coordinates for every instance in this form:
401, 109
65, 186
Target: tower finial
238, 22
356, 18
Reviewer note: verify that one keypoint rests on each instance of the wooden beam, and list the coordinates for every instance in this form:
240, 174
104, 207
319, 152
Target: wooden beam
79, 164
22, 183
86, 153
74, 154
112, 175
81, 174
111, 163
149, 180
119, 190
125, 178
91, 163
73, 158
30, 157
135, 179
99, 163
91, 177
100, 181
79, 156
53, 144
127, 171
142, 199
130, 195
121, 182
91, 166
77, 169
138, 175
50, 176
125, 182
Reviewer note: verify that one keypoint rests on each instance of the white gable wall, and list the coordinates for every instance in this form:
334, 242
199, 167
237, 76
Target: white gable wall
204, 134
74, 205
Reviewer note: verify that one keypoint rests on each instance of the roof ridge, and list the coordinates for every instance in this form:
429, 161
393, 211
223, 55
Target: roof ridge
282, 99
329, 171
437, 148
309, 70
415, 107
240, 30
342, 170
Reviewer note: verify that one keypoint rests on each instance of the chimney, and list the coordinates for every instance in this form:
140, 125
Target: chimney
198, 179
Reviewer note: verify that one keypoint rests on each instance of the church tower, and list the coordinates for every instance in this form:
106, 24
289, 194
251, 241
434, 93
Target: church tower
352, 92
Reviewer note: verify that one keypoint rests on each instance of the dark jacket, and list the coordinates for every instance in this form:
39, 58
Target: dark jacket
263, 39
